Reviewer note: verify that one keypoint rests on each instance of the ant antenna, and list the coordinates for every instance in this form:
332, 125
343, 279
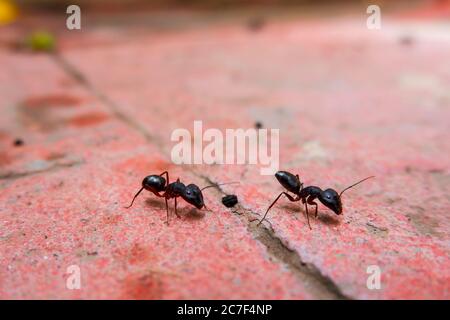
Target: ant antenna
219, 184
355, 185
134, 198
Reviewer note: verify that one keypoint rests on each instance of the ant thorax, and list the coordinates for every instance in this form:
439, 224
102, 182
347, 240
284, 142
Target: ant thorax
176, 189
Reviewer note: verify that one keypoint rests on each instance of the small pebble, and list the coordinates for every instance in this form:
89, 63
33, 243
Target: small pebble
229, 200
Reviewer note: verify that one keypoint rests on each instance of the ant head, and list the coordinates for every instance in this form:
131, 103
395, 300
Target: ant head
193, 195
331, 199
154, 183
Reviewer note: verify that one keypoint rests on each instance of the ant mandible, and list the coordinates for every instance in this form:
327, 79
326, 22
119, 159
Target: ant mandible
329, 197
161, 187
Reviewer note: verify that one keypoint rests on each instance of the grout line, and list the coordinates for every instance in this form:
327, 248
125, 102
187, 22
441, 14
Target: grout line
17, 175
114, 108
322, 286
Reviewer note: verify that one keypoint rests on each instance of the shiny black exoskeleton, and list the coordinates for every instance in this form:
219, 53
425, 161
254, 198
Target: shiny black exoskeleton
161, 187
329, 197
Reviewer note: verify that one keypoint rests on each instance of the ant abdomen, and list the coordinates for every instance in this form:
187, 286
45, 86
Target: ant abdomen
288, 180
154, 183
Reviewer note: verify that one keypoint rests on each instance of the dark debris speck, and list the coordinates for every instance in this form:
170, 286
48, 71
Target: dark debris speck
18, 142
406, 40
230, 200
258, 125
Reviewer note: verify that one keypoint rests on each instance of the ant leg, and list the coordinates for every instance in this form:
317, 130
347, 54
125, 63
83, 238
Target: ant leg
167, 176
307, 215
135, 197
167, 209
291, 198
311, 202
176, 208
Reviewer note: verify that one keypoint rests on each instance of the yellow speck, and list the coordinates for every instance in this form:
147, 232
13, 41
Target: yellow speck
40, 41
8, 12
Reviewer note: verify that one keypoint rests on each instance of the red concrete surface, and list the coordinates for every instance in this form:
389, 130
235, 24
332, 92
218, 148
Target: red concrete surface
349, 103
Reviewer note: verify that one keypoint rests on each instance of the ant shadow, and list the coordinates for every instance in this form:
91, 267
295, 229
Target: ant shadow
158, 203
188, 213
323, 217
328, 219
194, 214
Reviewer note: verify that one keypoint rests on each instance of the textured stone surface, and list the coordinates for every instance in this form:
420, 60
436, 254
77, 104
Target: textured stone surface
349, 103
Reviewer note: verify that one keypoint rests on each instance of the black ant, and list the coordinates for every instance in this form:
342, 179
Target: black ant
329, 197
161, 187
